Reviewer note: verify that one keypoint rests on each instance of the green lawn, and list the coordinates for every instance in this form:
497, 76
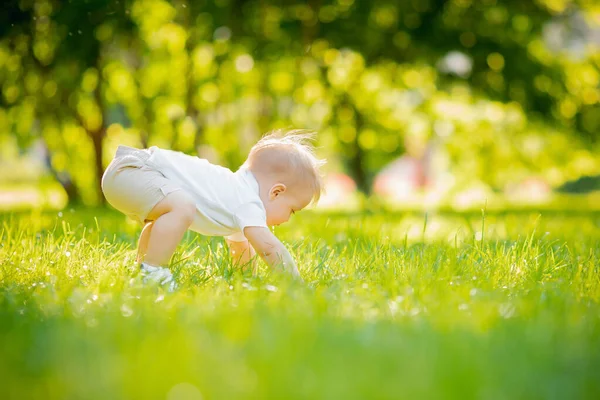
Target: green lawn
394, 306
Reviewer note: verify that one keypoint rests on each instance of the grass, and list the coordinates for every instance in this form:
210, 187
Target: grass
452, 306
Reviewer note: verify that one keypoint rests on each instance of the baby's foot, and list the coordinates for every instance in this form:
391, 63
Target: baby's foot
159, 275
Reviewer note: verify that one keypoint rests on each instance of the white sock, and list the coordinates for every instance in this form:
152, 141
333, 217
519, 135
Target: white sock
160, 275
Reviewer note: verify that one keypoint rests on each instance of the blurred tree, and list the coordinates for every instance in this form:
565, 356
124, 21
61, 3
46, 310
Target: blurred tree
59, 56
377, 78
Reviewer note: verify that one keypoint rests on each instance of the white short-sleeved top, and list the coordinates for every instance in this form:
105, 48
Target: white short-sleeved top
226, 201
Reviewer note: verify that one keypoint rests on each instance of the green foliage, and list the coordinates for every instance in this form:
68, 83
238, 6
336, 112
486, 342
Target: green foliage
84, 76
452, 307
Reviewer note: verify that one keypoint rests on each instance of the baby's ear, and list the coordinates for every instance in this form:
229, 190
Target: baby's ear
277, 189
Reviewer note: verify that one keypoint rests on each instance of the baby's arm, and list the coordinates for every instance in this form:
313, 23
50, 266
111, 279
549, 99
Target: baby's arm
241, 252
271, 250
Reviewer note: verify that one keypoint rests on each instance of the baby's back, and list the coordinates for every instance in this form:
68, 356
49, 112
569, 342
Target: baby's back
217, 191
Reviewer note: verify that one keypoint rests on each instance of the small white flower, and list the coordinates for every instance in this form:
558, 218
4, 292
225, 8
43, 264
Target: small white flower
126, 311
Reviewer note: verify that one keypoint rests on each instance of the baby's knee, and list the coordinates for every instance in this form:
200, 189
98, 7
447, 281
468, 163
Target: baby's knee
176, 203
185, 208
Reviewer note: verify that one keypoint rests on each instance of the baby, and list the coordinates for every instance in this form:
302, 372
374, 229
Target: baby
170, 192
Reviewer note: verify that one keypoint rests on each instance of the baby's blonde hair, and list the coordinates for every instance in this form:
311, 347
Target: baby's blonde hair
289, 153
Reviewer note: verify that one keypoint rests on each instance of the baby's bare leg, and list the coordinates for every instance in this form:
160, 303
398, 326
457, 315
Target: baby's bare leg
143, 242
172, 217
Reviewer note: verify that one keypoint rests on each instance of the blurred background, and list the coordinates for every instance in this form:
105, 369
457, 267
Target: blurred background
418, 103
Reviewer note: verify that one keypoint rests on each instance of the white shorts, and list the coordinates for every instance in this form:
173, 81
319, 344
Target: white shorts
131, 186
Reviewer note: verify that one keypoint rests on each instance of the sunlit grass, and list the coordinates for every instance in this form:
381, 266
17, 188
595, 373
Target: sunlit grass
16, 197
394, 306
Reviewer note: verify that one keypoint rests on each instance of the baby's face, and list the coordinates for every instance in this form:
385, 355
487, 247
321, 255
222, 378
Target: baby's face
281, 205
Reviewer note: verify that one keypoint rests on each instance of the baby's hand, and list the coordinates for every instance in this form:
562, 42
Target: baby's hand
242, 253
270, 249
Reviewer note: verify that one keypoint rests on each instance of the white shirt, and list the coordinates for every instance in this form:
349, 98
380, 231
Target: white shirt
226, 201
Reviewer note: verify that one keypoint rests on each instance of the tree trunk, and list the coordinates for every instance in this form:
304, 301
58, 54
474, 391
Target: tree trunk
73, 195
236, 18
191, 111
356, 162
310, 29
97, 137
97, 140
